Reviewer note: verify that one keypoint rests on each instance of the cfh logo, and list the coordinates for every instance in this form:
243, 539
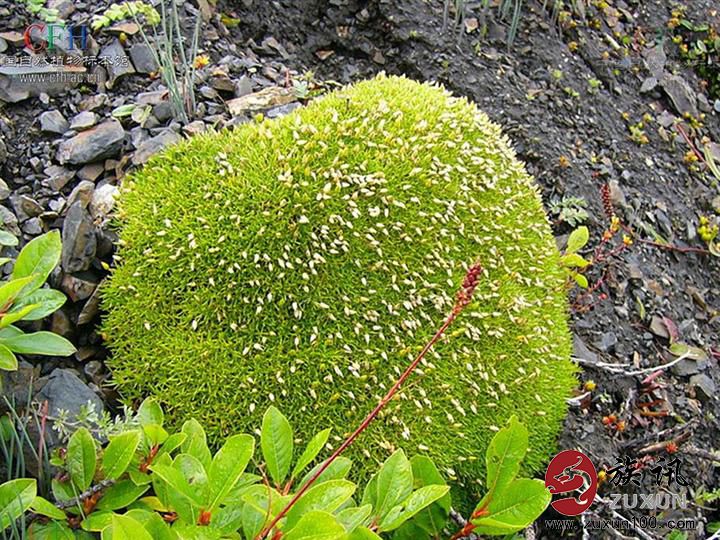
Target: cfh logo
40, 37
572, 472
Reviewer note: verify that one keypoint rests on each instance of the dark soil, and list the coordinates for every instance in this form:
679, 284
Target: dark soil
653, 189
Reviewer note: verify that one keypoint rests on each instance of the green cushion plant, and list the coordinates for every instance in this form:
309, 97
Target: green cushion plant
304, 261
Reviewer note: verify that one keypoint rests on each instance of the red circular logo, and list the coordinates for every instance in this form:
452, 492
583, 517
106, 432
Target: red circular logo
573, 473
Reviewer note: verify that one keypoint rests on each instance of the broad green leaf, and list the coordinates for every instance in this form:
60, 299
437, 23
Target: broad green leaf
262, 503
97, 521
172, 443
328, 497
425, 473
46, 508
434, 518
10, 290
150, 412
38, 258
503, 457
154, 434
227, 467
316, 525
338, 469
581, 280
363, 533
52, 530
176, 481
47, 301
192, 470
62, 491
354, 517
276, 441
514, 508
10, 331
119, 453
80, 461
311, 451
420, 499
16, 497
577, 239
394, 483
153, 523
7, 239
120, 495
18, 314
122, 110
573, 260
45, 343
693, 353
227, 519
8, 361
196, 442
125, 528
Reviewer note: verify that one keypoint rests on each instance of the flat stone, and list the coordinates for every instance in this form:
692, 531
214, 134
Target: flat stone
103, 141
704, 386
117, 62
193, 128
16, 39
78, 239
143, 59
83, 193
129, 28
655, 59
65, 8
77, 287
53, 122
154, 145
267, 98
65, 391
91, 172
580, 350
84, 120
681, 95
51, 80
4, 190
91, 307
103, 201
151, 98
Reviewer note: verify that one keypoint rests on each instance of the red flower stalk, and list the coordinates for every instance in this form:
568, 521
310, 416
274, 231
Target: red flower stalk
607, 201
462, 299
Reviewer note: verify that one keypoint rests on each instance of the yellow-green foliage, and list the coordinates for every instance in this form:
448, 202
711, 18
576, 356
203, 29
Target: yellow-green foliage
304, 261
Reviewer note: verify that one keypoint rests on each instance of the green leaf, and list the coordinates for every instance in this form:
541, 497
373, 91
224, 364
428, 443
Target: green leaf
97, 521
316, 525
46, 508
154, 434
121, 495
52, 530
47, 301
176, 481
276, 441
122, 110
394, 483
15, 315
16, 497
227, 467
328, 496
311, 451
363, 533
80, 461
119, 453
577, 239
125, 528
580, 280
38, 258
10, 290
693, 353
150, 412
196, 442
419, 500
45, 343
515, 508
7, 239
153, 523
573, 260
503, 456
336, 470
434, 518
355, 516
172, 443
8, 361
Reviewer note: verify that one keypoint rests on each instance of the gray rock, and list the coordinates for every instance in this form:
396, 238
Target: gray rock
79, 287
151, 98
704, 386
53, 122
688, 367
716, 105
580, 350
648, 85
64, 391
51, 80
3, 152
117, 62
91, 172
3, 45
83, 192
655, 59
193, 128
33, 227
244, 86
103, 141
163, 111
4, 190
143, 59
103, 201
91, 307
608, 342
78, 239
154, 145
9, 221
58, 176
84, 120
681, 95
14, 385
94, 102
65, 8
26, 206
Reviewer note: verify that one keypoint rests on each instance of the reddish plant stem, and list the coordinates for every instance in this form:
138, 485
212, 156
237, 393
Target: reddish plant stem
700, 157
463, 298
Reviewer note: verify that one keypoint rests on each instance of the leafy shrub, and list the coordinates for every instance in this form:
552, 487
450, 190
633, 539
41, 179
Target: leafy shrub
22, 299
301, 261
147, 483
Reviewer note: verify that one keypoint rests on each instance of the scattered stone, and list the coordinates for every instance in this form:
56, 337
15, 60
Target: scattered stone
3, 152
78, 239
94, 371
9, 221
91, 307
244, 86
61, 324
16, 39
194, 128
83, 193
27, 206
580, 350
93, 102
648, 85
143, 59
102, 141
151, 98
103, 201
129, 28
655, 59
65, 391
65, 8
14, 385
82, 121
704, 386
681, 95
33, 227
3, 45
91, 172
716, 105
266, 98
78, 287
53, 122
163, 111
117, 62
608, 342
223, 83
282, 110
47, 79
154, 145
4, 190
688, 367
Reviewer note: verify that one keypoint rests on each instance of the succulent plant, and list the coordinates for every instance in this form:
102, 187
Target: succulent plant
303, 261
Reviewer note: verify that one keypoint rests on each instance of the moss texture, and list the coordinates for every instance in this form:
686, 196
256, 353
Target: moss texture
303, 262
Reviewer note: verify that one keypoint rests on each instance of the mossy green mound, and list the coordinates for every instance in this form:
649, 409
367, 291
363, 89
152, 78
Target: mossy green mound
303, 262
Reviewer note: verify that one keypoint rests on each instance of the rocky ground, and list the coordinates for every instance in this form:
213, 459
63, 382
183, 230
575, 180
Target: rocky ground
570, 96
